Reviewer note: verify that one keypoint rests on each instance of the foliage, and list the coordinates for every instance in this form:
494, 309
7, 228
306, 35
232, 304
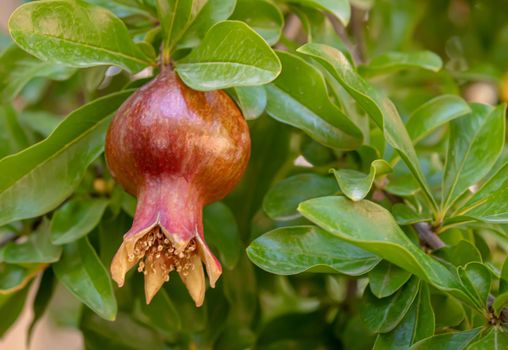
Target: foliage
374, 210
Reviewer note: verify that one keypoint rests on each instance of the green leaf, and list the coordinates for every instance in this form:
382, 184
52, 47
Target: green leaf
282, 199
379, 107
14, 277
434, 113
12, 136
124, 333
83, 274
51, 169
175, 17
262, 16
299, 97
476, 141
383, 315
36, 249
489, 204
10, 309
450, 312
76, 219
339, 8
404, 215
318, 26
503, 281
214, 11
231, 54
39, 121
355, 184
17, 68
251, 100
159, 314
221, 231
392, 61
476, 278
500, 302
385, 279
459, 254
371, 227
75, 34
447, 341
417, 324
292, 250
494, 339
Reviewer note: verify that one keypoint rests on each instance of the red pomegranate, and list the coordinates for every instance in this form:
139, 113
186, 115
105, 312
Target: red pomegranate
176, 150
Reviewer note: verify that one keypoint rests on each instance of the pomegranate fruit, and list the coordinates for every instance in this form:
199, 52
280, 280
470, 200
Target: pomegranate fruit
176, 150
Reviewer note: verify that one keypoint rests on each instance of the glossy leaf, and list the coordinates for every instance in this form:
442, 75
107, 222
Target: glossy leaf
262, 16
379, 107
292, 250
75, 34
356, 185
282, 199
404, 215
476, 141
447, 341
449, 311
418, 323
494, 339
299, 97
51, 169
383, 315
489, 203
386, 278
371, 227
339, 8
221, 232
160, 313
251, 100
231, 54
175, 17
12, 136
434, 113
212, 12
17, 68
477, 279
36, 249
15, 277
83, 274
75, 219
393, 61
10, 309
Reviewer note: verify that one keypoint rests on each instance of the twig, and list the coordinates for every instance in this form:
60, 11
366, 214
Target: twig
427, 236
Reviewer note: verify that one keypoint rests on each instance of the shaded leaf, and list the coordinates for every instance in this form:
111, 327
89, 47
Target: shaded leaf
12, 136
339, 8
17, 68
282, 199
392, 61
494, 339
299, 97
386, 278
447, 341
434, 113
36, 249
476, 140
75, 219
477, 279
262, 16
10, 309
14, 277
356, 185
383, 315
418, 323
221, 231
251, 100
295, 249
83, 274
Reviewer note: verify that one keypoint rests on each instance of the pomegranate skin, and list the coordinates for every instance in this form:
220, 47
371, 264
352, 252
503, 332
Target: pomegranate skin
176, 150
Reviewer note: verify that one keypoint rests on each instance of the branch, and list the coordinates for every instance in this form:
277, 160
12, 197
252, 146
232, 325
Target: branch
427, 236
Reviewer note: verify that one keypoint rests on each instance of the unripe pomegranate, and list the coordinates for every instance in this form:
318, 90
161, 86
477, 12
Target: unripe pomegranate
176, 150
